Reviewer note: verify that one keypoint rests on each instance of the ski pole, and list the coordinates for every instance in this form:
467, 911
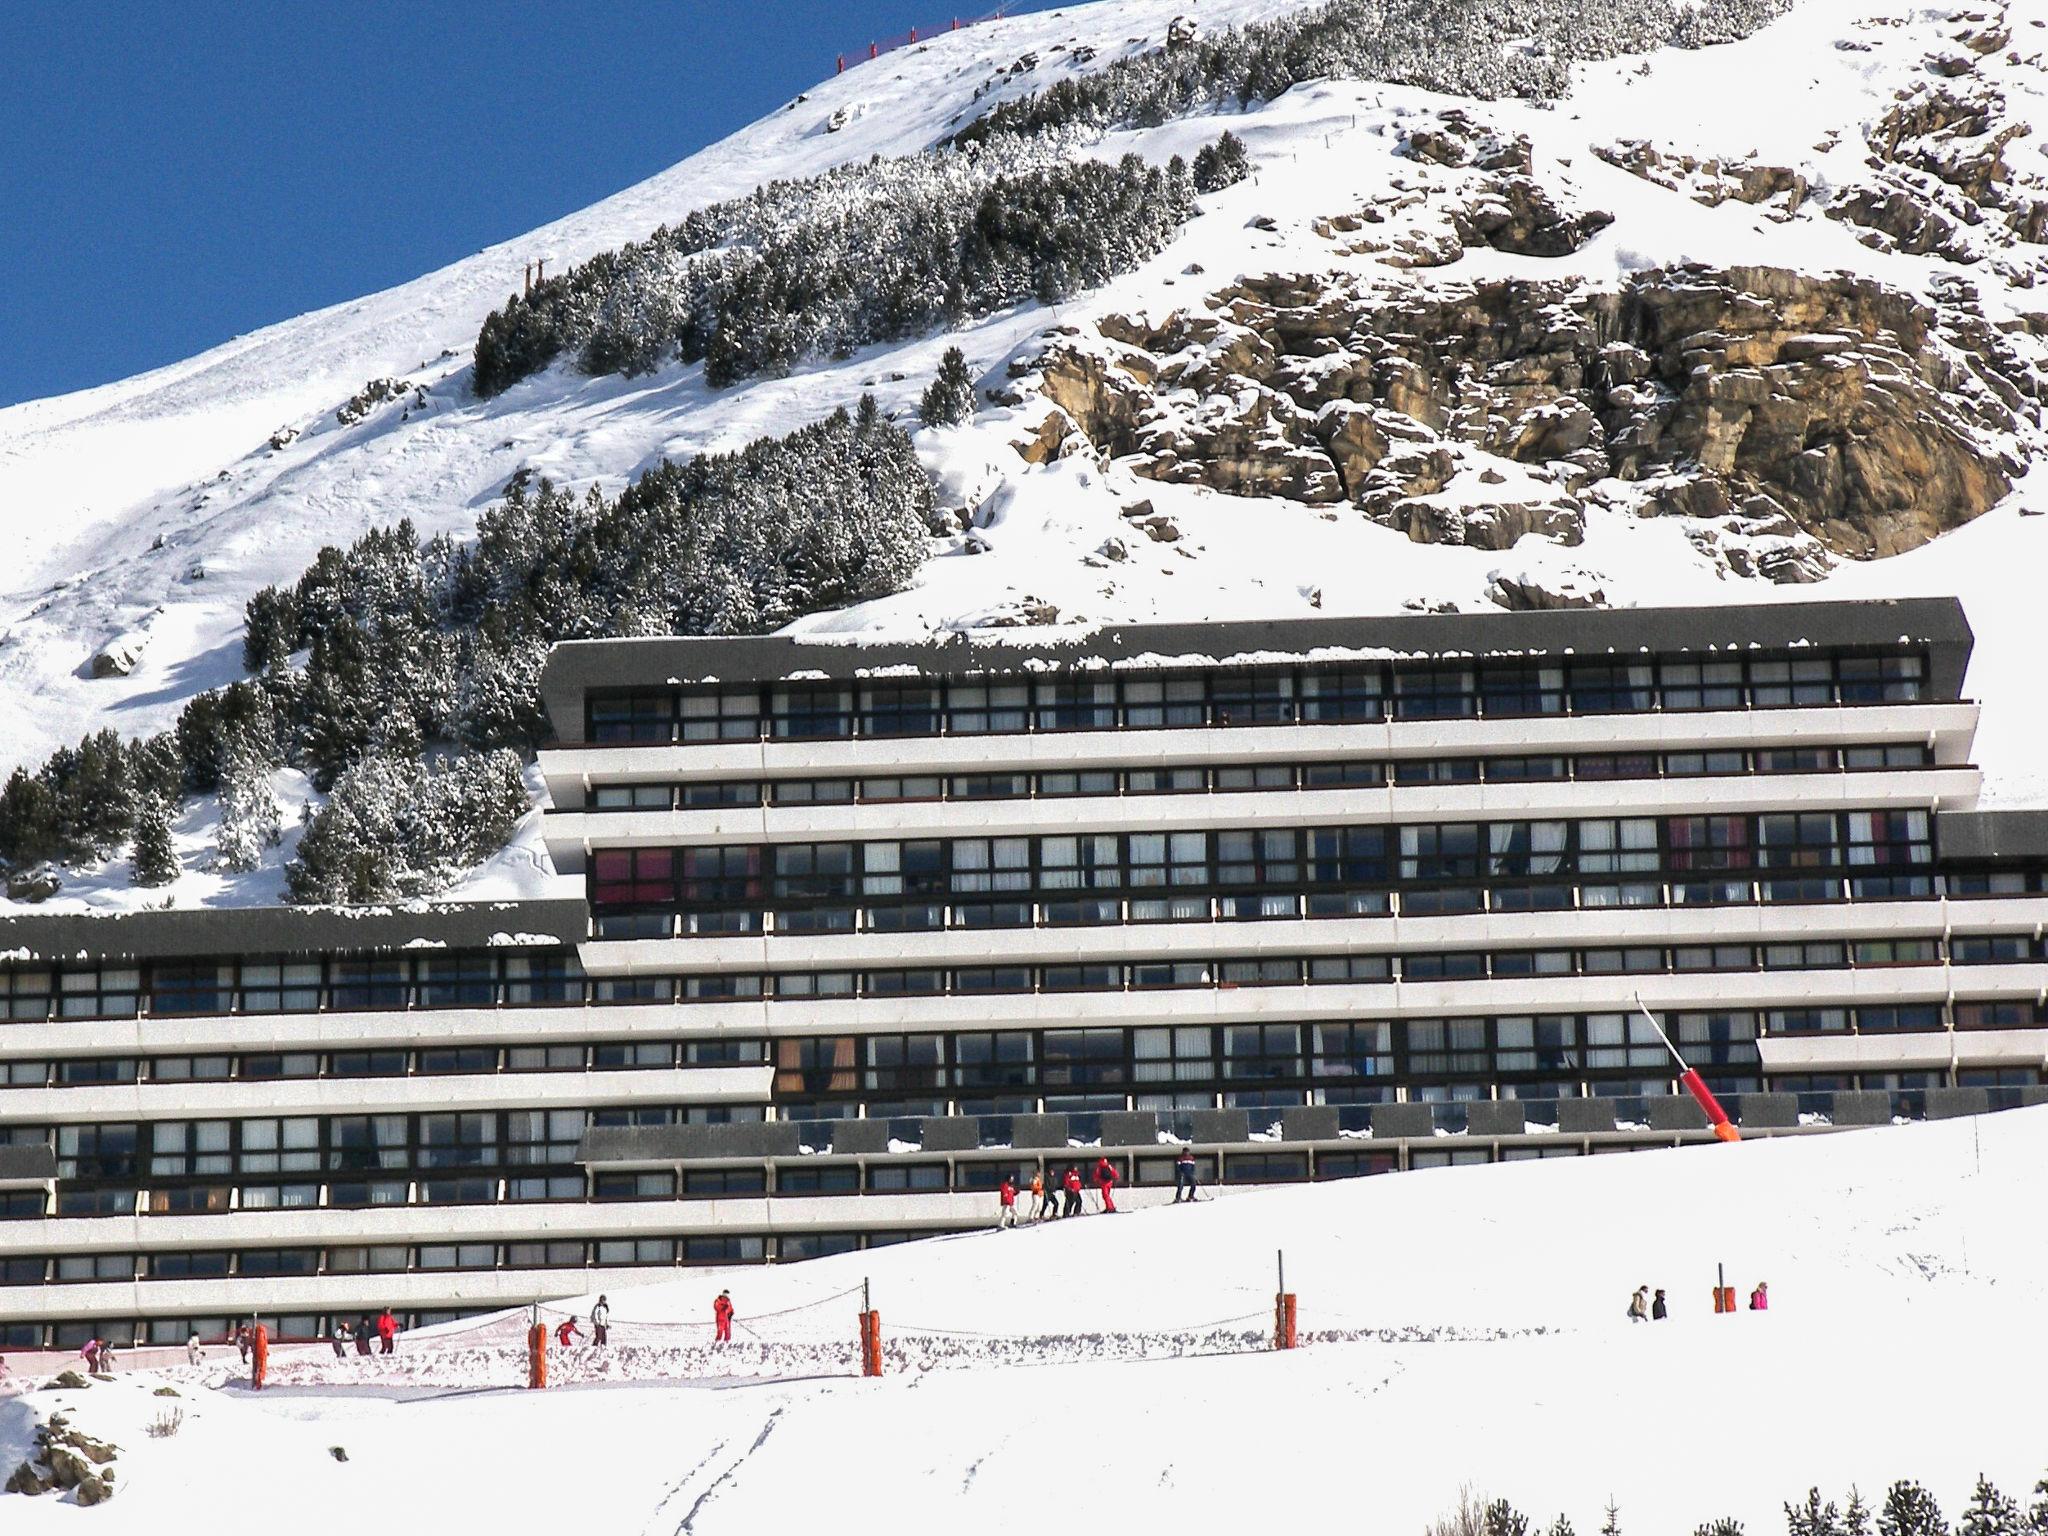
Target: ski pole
1724, 1128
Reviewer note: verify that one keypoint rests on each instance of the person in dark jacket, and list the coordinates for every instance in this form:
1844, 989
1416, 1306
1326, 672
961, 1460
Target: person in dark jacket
364, 1333
1184, 1176
1657, 1309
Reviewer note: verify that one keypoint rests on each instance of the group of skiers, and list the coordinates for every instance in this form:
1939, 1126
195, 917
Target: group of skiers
1051, 1198
384, 1330
567, 1333
1646, 1307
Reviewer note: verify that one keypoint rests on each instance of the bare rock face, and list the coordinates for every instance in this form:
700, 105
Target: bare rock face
1527, 592
1828, 411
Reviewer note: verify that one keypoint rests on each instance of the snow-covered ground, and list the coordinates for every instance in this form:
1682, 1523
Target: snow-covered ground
1907, 1273
153, 508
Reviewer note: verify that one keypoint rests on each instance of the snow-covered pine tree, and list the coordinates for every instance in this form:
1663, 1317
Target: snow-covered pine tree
1855, 1515
1813, 1518
251, 822
1222, 164
154, 860
1991, 1513
1612, 1525
1503, 1519
2037, 1512
1561, 1526
1910, 1510
950, 398
1726, 1525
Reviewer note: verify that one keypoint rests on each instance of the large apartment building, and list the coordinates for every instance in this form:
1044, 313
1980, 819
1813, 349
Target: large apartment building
867, 926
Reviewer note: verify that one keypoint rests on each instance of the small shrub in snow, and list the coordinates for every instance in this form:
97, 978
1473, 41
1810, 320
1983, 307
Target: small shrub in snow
1465, 1518
950, 399
166, 1424
1725, 1526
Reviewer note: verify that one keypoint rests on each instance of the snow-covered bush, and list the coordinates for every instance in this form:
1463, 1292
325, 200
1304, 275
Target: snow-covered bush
396, 827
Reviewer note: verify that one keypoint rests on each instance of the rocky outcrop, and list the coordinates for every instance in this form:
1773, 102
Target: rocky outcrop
66, 1460
39, 882
1711, 182
1827, 410
1941, 181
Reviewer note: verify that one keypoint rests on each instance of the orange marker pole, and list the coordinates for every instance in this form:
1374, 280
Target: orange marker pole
536, 1352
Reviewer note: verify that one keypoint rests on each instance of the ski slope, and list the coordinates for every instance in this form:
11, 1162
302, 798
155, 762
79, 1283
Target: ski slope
1907, 1270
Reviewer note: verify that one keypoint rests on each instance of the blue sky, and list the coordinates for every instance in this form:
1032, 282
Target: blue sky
174, 174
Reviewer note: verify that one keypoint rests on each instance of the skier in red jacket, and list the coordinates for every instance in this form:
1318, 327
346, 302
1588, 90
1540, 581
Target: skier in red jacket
566, 1331
387, 1332
1008, 1196
1105, 1181
721, 1315
1073, 1188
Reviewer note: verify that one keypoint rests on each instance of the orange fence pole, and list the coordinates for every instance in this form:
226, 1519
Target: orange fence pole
1283, 1321
871, 1343
537, 1356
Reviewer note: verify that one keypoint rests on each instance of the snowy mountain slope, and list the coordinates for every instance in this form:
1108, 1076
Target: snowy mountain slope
1905, 1270
152, 509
